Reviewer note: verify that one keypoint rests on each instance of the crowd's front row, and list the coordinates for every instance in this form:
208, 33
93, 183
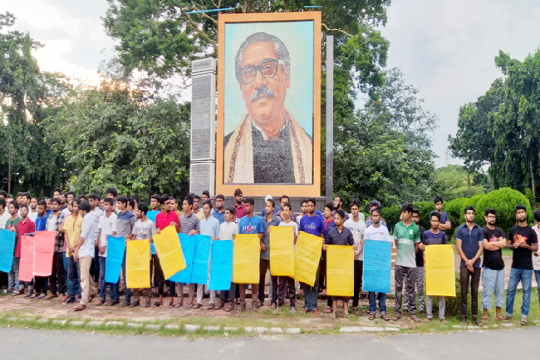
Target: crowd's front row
82, 235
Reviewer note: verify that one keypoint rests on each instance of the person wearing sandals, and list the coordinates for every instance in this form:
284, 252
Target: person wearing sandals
493, 267
419, 274
432, 237
536, 255
72, 231
189, 224
407, 238
143, 229
250, 224
208, 226
378, 232
522, 240
227, 230
24, 227
340, 236
106, 226
125, 220
358, 228
84, 253
286, 283
11, 225
41, 225
470, 245
312, 224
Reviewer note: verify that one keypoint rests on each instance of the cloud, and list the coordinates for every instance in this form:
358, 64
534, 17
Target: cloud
447, 50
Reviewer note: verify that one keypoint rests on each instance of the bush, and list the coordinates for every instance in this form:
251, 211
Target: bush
503, 201
455, 210
391, 215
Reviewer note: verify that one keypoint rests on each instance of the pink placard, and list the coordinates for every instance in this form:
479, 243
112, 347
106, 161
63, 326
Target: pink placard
26, 264
44, 252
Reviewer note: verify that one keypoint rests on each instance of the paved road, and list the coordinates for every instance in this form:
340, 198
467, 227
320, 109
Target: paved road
42, 344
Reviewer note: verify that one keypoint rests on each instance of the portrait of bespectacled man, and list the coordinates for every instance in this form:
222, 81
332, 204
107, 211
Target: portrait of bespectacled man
269, 123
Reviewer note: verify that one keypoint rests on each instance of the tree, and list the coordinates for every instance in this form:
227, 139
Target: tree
114, 135
27, 98
162, 39
516, 126
454, 181
474, 143
384, 151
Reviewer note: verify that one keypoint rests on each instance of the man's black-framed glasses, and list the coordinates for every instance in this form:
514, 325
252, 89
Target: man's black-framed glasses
268, 69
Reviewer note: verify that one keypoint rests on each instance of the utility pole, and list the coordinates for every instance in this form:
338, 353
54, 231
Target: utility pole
329, 118
9, 171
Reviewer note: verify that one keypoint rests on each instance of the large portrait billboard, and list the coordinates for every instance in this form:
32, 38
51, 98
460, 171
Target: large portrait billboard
268, 138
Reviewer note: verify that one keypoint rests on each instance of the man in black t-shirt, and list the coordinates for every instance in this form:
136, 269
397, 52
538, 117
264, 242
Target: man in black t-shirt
419, 279
493, 274
523, 240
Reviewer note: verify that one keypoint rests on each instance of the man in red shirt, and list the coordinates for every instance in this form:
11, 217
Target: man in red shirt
24, 226
239, 206
166, 217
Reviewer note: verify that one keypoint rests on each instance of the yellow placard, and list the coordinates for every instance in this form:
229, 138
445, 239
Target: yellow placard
246, 258
340, 270
169, 251
440, 277
307, 255
138, 264
281, 251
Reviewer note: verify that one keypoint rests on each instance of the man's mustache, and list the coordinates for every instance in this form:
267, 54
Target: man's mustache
261, 91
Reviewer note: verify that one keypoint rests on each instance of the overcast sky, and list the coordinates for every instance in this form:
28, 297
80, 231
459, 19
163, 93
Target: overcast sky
444, 48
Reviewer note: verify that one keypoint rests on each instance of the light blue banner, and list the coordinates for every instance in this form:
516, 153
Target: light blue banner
221, 265
7, 249
188, 249
151, 215
116, 248
201, 259
377, 266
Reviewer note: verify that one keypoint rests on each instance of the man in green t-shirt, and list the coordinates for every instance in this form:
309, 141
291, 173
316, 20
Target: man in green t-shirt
407, 238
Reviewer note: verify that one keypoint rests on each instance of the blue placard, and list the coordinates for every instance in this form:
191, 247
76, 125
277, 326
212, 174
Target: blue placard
188, 249
151, 215
221, 264
377, 266
201, 259
7, 248
116, 247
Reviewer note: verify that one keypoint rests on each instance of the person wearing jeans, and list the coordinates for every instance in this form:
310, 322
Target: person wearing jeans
493, 269
536, 255
470, 240
522, 240
373, 297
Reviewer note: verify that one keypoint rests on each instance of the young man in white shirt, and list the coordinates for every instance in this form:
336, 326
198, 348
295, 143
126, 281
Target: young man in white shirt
358, 228
286, 283
208, 226
227, 230
4, 214
106, 226
84, 253
380, 233
143, 229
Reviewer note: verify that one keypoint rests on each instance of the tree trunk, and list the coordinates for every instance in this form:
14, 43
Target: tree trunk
468, 184
492, 175
533, 185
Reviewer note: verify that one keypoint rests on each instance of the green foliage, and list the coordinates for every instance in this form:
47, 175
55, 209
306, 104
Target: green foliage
384, 151
114, 136
453, 182
392, 214
27, 97
503, 201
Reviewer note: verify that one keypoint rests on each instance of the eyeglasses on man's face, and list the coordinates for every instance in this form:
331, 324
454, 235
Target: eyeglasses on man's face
268, 69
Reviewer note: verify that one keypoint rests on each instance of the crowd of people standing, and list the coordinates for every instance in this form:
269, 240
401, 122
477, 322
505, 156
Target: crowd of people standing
82, 225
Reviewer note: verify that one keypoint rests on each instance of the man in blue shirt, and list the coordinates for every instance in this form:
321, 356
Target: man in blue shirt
250, 224
314, 225
469, 241
219, 213
41, 220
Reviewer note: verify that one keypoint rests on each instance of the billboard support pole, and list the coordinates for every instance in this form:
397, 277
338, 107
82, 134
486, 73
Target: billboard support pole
329, 118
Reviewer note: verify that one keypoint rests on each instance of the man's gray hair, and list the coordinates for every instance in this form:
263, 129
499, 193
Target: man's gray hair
279, 46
